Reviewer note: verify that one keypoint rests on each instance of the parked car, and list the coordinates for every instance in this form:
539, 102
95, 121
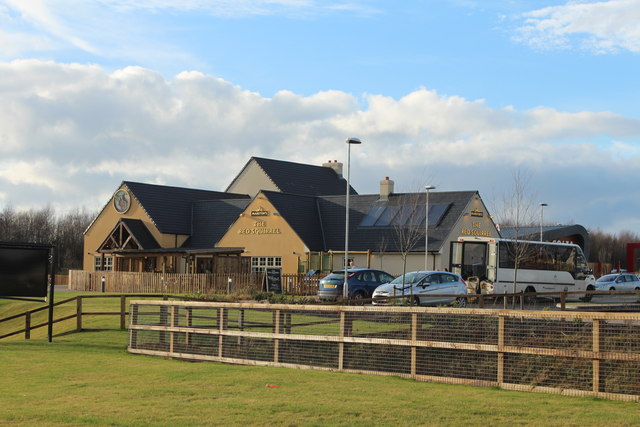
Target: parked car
419, 285
361, 283
618, 282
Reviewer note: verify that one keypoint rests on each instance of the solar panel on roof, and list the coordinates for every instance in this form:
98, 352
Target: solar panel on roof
406, 215
387, 216
372, 216
436, 212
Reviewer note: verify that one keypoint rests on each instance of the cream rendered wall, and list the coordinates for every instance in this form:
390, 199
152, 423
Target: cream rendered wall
107, 220
262, 232
251, 180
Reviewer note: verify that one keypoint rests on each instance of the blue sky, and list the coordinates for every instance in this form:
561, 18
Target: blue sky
459, 94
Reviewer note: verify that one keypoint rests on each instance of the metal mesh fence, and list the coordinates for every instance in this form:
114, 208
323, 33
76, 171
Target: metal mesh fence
596, 354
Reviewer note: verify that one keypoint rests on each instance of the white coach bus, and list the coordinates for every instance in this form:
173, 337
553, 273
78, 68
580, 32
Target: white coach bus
542, 266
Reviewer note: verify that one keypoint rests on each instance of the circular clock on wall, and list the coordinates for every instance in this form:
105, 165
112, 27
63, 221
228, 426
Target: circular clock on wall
122, 201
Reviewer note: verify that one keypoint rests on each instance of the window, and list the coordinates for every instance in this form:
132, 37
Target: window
261, 263
108, 263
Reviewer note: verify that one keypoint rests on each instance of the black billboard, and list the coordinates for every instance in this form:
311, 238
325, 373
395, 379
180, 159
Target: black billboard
24, 268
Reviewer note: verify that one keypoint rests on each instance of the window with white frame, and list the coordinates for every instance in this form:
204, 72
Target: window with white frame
108, 263
261, 263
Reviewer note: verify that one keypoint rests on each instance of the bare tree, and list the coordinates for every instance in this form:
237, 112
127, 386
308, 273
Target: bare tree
382, 248
408, 226
517, 211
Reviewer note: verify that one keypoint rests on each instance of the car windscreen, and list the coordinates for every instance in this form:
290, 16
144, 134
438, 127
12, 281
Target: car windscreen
608, 278
409, 278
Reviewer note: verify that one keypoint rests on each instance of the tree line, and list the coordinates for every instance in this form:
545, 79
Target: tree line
608, 248
65, 231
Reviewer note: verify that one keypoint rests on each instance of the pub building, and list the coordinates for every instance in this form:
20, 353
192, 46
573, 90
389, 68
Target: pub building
278, 214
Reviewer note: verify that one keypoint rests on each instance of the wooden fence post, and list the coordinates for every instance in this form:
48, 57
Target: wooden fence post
341, 344
500, 376
123, 312
27, 325
172, 322
596, 360
189, 320
276, 330
221, 314
78, 313
414, 338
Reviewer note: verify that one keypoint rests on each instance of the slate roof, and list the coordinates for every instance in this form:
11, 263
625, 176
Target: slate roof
169, 207
299, 178
140, 233
211, 220
301, 213
320, 221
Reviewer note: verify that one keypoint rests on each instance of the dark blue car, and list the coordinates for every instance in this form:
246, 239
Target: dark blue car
361, 283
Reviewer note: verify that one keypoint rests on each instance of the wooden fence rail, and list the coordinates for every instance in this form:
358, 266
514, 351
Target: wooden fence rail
580, 354
79, 312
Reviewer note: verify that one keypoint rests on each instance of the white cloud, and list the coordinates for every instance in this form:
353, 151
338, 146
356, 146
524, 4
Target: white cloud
602, 27
71, 133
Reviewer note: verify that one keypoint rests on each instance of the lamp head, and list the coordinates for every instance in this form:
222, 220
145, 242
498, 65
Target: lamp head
429, 187
353, 141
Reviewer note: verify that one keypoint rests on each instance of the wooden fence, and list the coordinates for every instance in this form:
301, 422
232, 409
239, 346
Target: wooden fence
580, 354
68, 309
120, 281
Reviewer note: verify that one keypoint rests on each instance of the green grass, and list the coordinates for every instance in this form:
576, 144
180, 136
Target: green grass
89, 378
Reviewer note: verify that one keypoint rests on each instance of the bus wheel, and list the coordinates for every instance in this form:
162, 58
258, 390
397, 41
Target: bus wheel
588, 297
532, 298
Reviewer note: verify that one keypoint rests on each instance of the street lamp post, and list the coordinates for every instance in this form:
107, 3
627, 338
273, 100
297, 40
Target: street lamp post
542, 205
345, 287
426, 227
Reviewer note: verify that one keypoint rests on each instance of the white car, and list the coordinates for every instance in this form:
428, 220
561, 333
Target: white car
420, 285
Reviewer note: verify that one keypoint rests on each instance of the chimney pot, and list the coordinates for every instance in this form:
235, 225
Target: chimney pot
335, 165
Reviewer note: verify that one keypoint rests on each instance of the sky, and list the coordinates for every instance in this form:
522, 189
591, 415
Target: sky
458, 94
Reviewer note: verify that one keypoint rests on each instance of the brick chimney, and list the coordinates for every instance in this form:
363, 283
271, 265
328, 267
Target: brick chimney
335, 165
386, 188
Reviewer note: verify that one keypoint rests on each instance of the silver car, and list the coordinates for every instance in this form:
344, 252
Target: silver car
618, 282
421, 285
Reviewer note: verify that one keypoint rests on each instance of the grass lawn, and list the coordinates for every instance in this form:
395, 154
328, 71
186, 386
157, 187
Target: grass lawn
89, 378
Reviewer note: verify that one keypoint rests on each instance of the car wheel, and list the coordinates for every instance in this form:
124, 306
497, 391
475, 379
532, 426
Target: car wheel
612, 288
416, 301
461, 301
358, 297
